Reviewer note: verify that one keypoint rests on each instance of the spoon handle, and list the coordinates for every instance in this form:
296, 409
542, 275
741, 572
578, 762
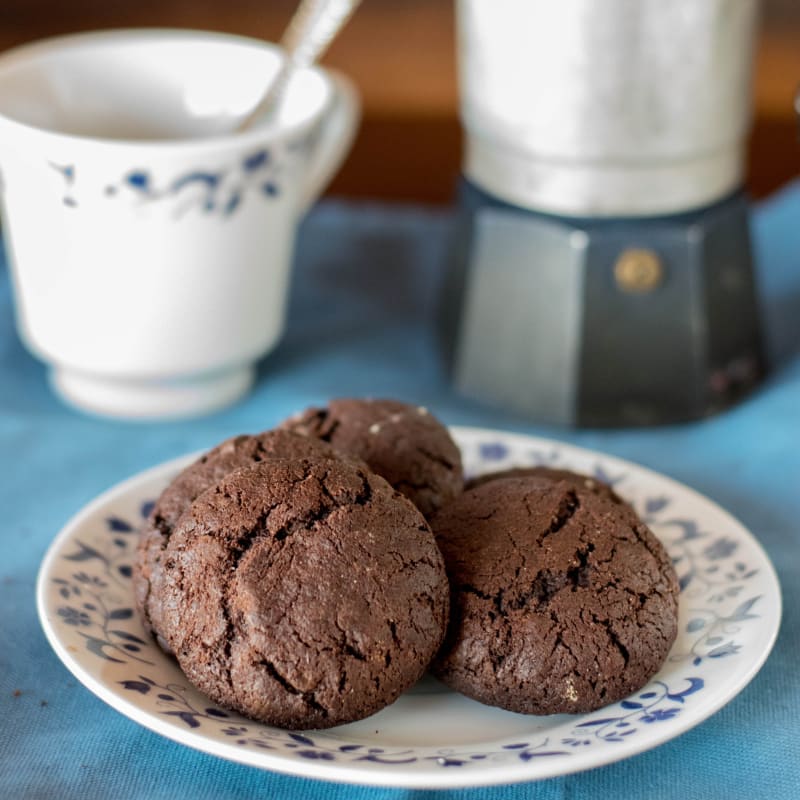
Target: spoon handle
311, 30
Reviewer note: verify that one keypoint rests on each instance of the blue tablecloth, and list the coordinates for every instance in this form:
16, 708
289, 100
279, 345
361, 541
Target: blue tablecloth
362, 322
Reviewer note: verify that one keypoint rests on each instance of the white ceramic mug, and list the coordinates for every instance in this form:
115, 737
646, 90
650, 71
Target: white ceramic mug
150, 246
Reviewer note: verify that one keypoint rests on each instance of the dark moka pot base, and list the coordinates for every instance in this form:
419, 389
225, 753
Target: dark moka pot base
601, 322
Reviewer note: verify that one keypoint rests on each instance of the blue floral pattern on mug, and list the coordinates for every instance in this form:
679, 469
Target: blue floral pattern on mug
217, 191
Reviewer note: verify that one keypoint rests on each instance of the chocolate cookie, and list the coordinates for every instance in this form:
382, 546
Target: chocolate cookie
303, 593
231, 454
588, 482
561, 599
405, 444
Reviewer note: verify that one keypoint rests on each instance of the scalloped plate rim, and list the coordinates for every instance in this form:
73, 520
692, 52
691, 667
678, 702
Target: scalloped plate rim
388, 775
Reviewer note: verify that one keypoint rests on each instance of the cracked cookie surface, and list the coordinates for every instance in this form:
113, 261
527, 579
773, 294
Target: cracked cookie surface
403, 443
562, 600
303, 593
588, 482
233, 453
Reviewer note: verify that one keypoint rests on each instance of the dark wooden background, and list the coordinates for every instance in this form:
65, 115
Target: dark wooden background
401, 55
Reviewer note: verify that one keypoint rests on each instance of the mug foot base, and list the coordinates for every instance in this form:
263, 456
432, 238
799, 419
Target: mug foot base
152, 399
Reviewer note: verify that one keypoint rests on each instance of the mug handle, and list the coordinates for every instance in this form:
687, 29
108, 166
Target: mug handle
336, 137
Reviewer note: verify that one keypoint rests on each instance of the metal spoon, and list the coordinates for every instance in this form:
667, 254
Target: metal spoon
310, 31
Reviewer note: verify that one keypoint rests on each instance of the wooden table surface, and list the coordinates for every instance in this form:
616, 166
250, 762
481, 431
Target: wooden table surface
401, 54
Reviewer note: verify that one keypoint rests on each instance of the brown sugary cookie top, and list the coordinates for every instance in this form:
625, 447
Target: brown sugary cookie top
588, 482
561, 599
233, 453
303, 593
405, 444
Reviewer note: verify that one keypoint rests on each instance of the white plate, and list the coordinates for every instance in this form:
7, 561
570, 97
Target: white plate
431, 737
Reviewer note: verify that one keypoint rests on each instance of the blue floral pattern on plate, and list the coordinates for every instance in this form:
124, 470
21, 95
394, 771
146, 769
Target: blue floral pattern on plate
730, 611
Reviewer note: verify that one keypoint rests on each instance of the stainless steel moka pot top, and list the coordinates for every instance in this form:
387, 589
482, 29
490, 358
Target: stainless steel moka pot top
603, 273
610, 108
